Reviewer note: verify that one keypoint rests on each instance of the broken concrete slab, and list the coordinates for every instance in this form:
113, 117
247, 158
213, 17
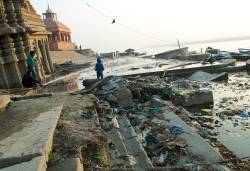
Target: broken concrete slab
190, 97
121, 154
35, 164
198, 98
248, 65
133, 145
4, 101
34, 140
204, 76
72, 164
196, 145
229, 62
124, 97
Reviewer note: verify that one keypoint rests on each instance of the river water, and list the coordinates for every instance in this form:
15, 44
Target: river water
228, 46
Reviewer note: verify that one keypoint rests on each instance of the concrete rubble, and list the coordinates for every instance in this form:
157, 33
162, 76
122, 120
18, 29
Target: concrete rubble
128, 123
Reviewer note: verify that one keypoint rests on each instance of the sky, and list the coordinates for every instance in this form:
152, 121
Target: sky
146, 23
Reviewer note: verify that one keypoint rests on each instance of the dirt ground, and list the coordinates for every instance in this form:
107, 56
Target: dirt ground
69, 61
78, 136
60, 57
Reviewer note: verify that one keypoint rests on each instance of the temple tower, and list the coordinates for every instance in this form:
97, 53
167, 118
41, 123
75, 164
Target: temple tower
60, 39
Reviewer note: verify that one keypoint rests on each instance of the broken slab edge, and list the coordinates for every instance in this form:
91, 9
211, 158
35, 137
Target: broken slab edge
35, 164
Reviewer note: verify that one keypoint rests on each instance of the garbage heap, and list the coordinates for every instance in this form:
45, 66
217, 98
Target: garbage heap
143, 127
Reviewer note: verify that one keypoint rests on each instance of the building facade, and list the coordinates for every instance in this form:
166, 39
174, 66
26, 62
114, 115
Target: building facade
21, 30
60, 39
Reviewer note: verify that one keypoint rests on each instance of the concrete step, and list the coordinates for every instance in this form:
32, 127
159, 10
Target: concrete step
34, 140
72, 164
119, 156
4, 101
133, 145
248, 65
197, 146
35, 164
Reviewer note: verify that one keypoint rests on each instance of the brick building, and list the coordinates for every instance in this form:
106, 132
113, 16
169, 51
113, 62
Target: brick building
60, 39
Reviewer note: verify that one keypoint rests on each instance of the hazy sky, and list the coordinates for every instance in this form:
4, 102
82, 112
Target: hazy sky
167, 20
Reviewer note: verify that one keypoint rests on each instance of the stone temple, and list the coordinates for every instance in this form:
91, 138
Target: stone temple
21, 30
60, 39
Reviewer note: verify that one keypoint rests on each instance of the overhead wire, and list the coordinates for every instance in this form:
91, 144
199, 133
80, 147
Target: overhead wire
137, 31
166, 43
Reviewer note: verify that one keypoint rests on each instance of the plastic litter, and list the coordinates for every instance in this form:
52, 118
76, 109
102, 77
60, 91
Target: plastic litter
88, 116
155, 110
115, 123
150, 139
174, 131
244, 115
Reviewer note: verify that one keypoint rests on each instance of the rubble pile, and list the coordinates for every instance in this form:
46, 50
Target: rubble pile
133, 114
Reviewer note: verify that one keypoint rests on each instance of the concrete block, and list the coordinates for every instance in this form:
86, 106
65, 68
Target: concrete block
197, 146
192, 97
201, 98
36, 164
133, 145
248, 65
4, 101
73, 164
34, 140
204, 76
124, 97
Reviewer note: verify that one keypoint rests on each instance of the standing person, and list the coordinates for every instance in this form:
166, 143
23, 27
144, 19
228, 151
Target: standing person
31, 63
99, 68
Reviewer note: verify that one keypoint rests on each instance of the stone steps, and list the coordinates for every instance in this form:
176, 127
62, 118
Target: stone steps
119, 157
4, 101
35, 164
197, 146
129, 152
133, 145
28, 148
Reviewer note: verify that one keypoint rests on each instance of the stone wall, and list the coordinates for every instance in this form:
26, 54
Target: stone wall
21, 30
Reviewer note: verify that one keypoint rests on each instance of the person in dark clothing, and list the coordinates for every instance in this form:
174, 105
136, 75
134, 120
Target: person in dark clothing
99, 68
29, 81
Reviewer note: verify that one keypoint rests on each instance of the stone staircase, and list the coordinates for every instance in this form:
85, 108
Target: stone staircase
28, 148
129, 152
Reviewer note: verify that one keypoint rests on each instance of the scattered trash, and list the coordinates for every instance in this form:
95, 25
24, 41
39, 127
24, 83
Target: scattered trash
244, 115
115, 123
88, 116
174, 131
150, 139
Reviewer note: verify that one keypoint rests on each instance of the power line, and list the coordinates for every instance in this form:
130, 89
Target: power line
96, 10
121, 24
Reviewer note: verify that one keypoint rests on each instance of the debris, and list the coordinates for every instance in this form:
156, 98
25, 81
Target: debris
88, 116
18, 98
151, 139
244, 115
174, 131
115, 123
124, 97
